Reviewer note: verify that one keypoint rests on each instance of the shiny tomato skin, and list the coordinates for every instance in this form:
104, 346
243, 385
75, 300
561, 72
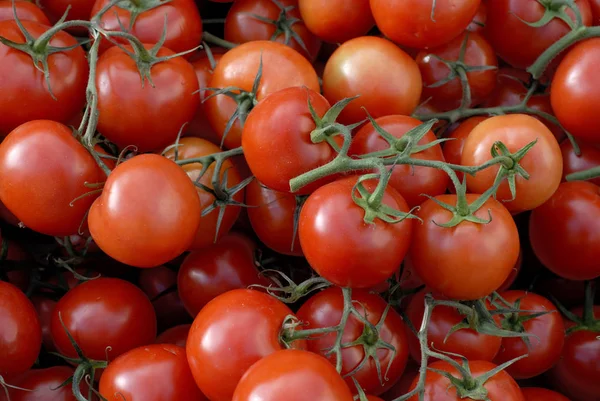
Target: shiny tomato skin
230, 334
386, 78
341, 247
283, 67
40, 187
21, 337
132, 232
410, 181
410, 22
589, 158
26, 11
43, 384
25, 92
542, 394
324, 309
153, 372
453, 149
565, 231
438, 253
543, 162
176, 335
478, 22
44, 308
337, 21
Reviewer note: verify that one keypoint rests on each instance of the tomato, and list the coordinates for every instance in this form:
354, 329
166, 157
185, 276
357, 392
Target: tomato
292, 375
441, 259
44, 308
401, 387
212, 271
26, 11
514, 273
423, 23
98, 314
386, 78
453, 149
500, 387
43, 384
7, 216
25, 91
543, 162
518, 43
478, 22
595, 6
78, 10
466, 342
124, 221
276, 139
510, 88
283, 67
41, 187
589, 158
324, 309
150, 373
341, 247
573, 99
21, 337
337, 21
232, 332
175, 335
564, 231
410, 181
542, 394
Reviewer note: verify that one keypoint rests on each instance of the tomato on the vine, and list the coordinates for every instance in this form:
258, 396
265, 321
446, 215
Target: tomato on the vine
589, 157
42, 384
26, 11
453, 149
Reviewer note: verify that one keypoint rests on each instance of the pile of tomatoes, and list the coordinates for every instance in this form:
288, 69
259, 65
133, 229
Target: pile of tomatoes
300, 200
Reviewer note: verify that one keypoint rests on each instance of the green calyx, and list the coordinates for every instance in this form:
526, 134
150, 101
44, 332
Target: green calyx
509, 165
588, 321
137, 7
286, 290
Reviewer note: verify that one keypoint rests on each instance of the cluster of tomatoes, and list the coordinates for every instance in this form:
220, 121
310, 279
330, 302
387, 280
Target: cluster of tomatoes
333, 200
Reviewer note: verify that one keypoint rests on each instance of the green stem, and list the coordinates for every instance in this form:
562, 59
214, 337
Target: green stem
210, 38
592, 173
41, 42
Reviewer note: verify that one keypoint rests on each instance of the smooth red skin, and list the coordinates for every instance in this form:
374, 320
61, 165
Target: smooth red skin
241, 27
21, 335
386, 78
40, 186
292, 375
479, 53
542, 394
132, 114
453, 149
7, 216
514, 273
565, 231
324, 309
25, 94
466, 342
478, 22
230, 334
587, 159
79, 10
43, 384
543, 162
410, 181
572, 91
595, 7
139, 232
439, 256
341, 247
175, 335
548, 333
271, 215
401, 387
276, 139
26, 11
409, 22
500, 387
337, 21
45, 308
517, 43
283, 67
210, 272
150, 373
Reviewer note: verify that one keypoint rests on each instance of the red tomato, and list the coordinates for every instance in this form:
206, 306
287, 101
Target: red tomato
150, 373
26, 11
25, 91
478, 22
45, 308
542, 394
21, 337
324, 309
589, 158
341, 247
386, 78
453, 149
283, 67
565, 231
514, 273
401, 387
410, 181
132, 231
292, 375
595, 6
43, 384
230, 334
78, 10
417, 23
7, 216
175, 335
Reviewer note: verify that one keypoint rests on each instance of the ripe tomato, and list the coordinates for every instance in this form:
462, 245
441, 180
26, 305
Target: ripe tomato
453, 149
589, 158
230, 334
175, 335
439, 256
543, 162
132, 231
595, 6
21, 337
150, 373
542, 394
98, 314
292, 375
410, 181
478, 22
394, 89
417, 23
42, 384
44, 308
41, 187
25, 91
324, 309
341, 247
26, 11
78, 10
565, 231
337, 21
283, 67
